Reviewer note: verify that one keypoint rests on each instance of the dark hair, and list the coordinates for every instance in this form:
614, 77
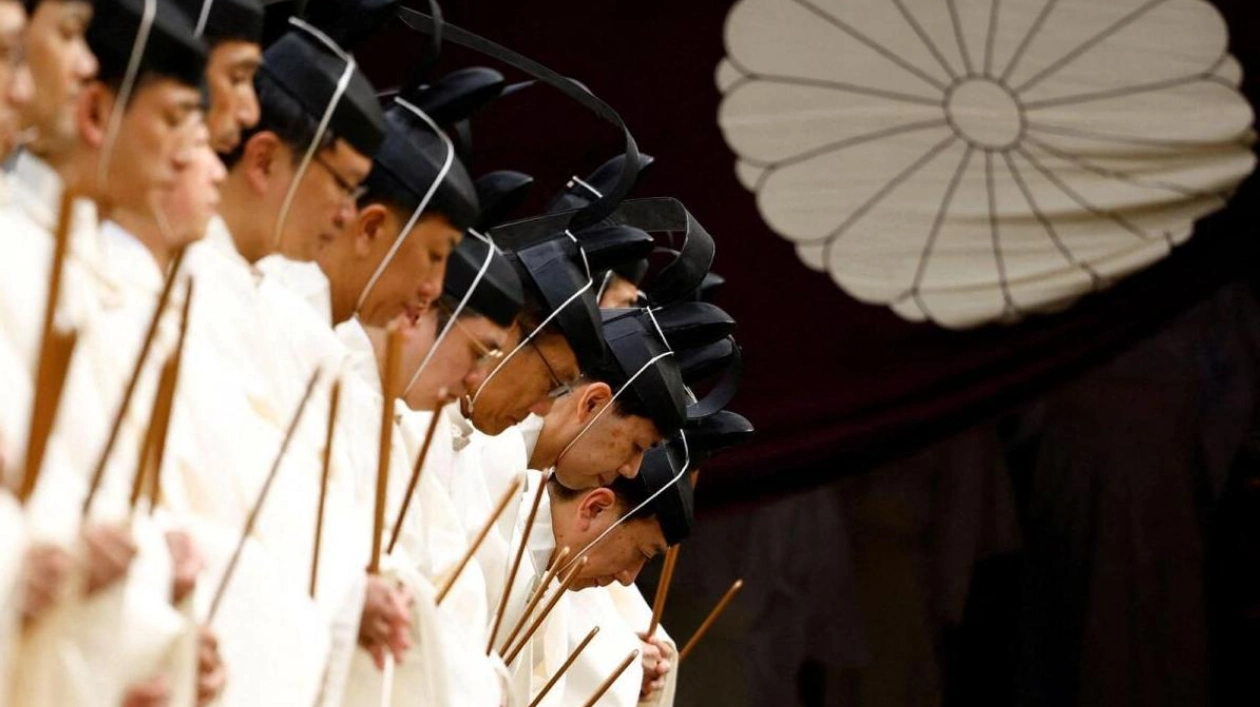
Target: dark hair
380, 187
608, 371
284, 116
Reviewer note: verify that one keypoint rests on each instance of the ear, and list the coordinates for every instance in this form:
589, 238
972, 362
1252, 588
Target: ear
262, 156
375, 223
92, 113
594, 504
593, 399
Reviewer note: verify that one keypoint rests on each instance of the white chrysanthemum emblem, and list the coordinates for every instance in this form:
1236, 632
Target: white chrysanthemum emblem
968, 161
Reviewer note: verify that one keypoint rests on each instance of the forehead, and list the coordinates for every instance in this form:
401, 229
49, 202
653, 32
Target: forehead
163, 92
641, 429
643, 533
434, 229
236, 51
57, 9
559, 354
481, 326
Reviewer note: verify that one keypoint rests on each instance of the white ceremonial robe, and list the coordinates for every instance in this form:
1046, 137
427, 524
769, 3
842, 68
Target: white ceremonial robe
632, 607
28, 217
12, 552
594, 607
447, 665
274, 640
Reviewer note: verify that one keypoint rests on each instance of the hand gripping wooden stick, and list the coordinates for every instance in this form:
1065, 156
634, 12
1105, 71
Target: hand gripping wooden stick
612, 678
563, 668
129, 392
334, 403
539, 591
662, 588
713, 616
516, 563
542, 616
256, 510
481, 536
389, 393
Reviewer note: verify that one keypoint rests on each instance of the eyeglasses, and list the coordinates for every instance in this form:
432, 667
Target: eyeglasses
349, 191
560, 388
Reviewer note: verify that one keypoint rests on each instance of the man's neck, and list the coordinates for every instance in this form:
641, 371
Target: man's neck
239, 212
77, 170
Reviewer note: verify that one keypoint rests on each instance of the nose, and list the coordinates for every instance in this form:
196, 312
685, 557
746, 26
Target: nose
473, 380
431, 287
217, 171
627, 576
631, 468
247, 111
87, 64
23, 86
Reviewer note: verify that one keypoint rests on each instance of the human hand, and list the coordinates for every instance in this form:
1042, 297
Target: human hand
45, 569
186, 564
386, 621
109, 554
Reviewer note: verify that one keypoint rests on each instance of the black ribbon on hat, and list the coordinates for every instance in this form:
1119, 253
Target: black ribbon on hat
603, 206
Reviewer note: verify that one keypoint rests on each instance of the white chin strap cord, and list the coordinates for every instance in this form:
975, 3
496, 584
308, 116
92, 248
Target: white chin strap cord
472, 401
668, 352
681, 435
630, 514
202, 18
424, 202
125, 90
450, 323
342, 84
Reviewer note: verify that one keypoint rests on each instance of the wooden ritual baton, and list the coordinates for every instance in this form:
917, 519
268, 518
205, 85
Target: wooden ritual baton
481, 536
326, 465
516, 564
563, 668
55, 351
713, 616
548, 576
612, 678
414, 482
129, 392
542, 616
256, 510
153, 446
389, 393
662, 589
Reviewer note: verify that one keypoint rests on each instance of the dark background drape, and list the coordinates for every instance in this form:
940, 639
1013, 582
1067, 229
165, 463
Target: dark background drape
1056, 512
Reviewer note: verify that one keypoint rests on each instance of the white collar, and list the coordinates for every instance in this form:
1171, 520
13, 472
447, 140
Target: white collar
530, 430
306, 280
542, 537
37, 189
129, 260
362, 357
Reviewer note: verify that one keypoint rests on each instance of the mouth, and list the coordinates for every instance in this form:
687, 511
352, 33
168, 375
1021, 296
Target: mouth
412, 313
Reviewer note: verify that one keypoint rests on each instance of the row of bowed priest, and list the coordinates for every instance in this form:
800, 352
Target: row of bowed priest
298, 411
